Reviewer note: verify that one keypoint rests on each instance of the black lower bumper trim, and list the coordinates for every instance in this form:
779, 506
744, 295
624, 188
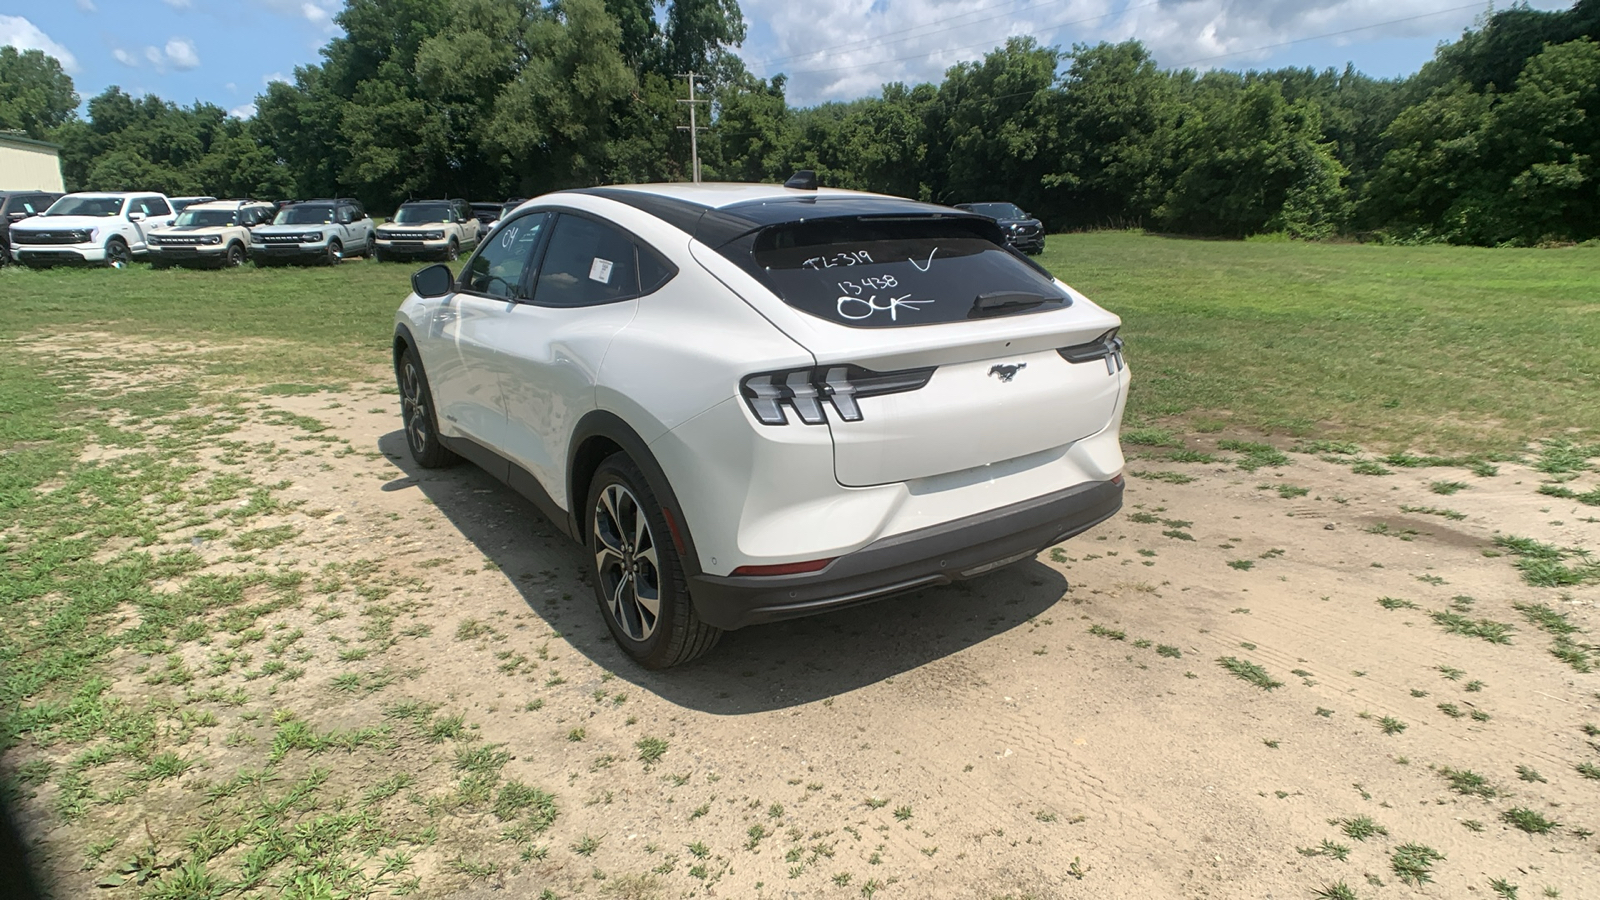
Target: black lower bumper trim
939, 554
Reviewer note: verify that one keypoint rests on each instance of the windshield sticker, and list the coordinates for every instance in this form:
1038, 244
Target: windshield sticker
920, 266
847, 258
600, 270
856, 308
508, 237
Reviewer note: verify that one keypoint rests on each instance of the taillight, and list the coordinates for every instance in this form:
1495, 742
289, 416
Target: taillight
1107, 347
805, 391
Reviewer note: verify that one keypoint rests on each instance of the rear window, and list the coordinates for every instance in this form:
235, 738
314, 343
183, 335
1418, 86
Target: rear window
890, 273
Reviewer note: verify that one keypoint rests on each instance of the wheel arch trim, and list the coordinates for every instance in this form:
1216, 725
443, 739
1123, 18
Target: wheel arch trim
597, 429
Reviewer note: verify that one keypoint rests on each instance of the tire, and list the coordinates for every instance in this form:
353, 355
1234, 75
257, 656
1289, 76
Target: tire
117, 254
235, 257
377, 255
632, 549
335, 252
452, 251
417, 413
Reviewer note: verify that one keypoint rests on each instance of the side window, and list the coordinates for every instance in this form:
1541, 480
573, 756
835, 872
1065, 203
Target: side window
154, 206
496, 270
588, 263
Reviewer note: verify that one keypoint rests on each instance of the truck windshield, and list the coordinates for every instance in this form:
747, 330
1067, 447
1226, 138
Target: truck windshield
99, 207
996, 210
305, 214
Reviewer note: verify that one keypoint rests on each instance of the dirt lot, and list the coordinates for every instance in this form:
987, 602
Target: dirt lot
1248, 684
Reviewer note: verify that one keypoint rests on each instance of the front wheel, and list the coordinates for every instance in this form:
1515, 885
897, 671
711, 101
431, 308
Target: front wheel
639, 580
452, 252
335, 253
416, 413
117, 254
235, 257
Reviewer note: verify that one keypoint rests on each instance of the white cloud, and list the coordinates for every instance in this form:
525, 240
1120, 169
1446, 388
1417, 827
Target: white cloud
179, 4
247, 111
319, 13
839, 49
276, 76
181, 54
87, 6
18, 32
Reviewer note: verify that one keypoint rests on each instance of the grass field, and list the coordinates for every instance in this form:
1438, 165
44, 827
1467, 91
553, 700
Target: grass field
197, 682
1436, 349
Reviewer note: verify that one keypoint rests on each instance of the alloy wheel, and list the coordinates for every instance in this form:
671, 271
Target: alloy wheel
626, 562
117, 256
414, 409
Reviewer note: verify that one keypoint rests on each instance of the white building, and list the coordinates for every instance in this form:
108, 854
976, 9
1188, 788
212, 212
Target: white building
29, 165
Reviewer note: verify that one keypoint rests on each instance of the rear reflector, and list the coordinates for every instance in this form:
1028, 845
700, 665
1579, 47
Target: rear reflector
798, 568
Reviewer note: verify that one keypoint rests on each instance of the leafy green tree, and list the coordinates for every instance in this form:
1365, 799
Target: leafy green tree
1249, 161
36, 95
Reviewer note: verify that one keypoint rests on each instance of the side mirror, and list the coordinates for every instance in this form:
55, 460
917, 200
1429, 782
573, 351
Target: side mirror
434, 281
136, 217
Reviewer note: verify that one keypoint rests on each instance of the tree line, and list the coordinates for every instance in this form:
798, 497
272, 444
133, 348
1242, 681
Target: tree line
1494, 141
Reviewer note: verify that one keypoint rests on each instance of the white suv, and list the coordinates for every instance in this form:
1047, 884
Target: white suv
436, 229
313, 231
214, 233
106, 229
754, 402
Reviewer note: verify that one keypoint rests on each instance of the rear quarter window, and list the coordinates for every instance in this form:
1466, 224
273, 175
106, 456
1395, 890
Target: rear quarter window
895, 273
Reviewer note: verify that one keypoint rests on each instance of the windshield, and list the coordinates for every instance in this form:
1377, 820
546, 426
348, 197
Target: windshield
183, 203
419, 213
997, 210
305, 214
206, 218
101, 207
897, 273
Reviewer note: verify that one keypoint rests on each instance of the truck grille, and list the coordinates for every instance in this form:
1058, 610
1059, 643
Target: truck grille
49, 237
282, 238
406, 235
171, 241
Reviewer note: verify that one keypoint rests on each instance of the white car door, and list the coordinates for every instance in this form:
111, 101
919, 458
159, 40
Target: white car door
553, 344
464, 368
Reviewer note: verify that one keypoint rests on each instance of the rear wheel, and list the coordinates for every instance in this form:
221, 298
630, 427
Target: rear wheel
639, 579
335, 252
416, 412
117, 254
235, 257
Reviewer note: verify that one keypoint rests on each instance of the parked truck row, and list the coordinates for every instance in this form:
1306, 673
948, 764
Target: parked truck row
116, 228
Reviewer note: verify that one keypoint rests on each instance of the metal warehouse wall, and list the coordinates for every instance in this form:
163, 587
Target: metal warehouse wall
29, 165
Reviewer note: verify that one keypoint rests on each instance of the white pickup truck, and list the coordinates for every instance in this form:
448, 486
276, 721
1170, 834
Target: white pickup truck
102, 229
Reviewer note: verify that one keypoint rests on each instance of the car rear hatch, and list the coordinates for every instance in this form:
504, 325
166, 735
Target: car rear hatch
938, 349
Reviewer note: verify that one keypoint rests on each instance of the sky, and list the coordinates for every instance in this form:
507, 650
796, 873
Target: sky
226, 51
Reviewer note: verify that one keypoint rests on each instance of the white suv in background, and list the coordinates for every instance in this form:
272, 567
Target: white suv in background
215, 233
314, 231
98, 228
755, 402
431, 229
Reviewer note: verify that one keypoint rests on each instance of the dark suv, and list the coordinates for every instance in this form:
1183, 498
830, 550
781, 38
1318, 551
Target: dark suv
16, 206
1022, 231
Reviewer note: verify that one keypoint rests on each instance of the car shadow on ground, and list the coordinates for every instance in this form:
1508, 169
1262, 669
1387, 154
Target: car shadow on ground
755, 669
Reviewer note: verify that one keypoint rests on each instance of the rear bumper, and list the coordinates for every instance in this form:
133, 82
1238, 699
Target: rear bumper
939, 554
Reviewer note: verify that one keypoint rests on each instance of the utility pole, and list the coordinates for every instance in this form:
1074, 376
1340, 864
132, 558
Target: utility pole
694, 128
